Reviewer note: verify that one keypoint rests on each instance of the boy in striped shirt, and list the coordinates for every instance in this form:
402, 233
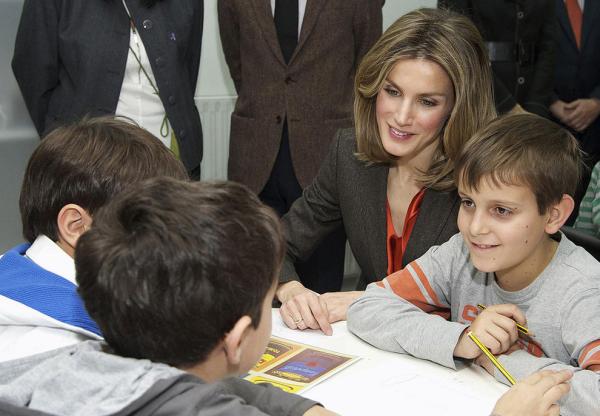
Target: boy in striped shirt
516, 179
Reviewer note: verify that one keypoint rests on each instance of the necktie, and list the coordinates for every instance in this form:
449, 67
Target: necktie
575, 17
286, 23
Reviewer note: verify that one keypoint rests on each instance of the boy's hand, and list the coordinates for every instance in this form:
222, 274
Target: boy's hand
338, 304
484, 362
319, 411
496, 329
536, 395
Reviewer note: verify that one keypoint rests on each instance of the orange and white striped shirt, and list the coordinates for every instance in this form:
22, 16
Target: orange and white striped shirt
424, 308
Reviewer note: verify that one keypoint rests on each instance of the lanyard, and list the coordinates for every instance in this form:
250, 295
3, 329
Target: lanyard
164, 126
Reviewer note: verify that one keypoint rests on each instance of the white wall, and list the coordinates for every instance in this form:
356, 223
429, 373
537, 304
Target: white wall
214, 80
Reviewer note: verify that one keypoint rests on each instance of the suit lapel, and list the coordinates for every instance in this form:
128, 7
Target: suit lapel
438, 204
376, 216
565, 24
264, 17
590, 10
311, 15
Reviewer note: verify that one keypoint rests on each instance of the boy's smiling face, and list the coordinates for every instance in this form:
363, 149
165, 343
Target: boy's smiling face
505, 232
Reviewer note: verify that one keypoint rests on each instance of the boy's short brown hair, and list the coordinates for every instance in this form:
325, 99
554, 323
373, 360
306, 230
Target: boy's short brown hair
169, 267
87, 163
525, 150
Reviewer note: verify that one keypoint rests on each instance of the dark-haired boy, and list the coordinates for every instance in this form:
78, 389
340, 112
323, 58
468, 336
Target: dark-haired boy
74, 171
180, 277
516, 179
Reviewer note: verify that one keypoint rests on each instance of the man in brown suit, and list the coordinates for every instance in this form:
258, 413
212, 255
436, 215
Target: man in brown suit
293, 64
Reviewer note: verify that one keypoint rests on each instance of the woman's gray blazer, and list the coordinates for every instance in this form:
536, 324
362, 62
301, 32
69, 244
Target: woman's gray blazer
348, 191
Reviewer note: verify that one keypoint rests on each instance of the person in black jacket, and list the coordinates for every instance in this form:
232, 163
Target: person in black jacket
576, 94
137, 58
519, 37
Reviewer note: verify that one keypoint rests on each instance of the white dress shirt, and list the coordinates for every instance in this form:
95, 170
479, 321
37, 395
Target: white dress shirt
137, 99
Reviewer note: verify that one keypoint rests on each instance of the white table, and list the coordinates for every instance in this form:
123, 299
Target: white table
383, 383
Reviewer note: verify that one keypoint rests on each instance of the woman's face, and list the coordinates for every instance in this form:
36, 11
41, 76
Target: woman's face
412, 107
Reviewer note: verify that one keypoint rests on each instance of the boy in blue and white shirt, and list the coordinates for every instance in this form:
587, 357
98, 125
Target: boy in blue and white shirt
74, 171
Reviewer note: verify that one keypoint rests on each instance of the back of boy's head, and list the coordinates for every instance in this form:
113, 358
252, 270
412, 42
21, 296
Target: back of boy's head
169, 268
523, 150
87, 163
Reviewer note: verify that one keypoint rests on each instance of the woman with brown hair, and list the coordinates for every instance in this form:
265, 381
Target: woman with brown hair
420, 93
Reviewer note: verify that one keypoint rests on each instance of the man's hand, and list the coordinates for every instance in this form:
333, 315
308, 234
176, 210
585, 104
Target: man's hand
496, 329
579, 114
536, 395
557, 108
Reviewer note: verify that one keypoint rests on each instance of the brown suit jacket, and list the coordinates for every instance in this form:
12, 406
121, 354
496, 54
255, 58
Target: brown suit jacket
348, 191
314, 91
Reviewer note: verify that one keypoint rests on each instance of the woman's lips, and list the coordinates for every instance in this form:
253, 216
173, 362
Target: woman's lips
400, 134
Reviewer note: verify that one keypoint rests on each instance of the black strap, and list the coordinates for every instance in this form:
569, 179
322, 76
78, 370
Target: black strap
521, 52
286, 23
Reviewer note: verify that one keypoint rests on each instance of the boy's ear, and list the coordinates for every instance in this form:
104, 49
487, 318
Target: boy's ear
559, 213
72, 222
234, 340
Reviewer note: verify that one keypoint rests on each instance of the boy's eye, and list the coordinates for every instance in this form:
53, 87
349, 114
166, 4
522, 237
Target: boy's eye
503, 212
467, 203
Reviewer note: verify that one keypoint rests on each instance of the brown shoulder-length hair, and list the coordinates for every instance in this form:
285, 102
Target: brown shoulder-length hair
451, 41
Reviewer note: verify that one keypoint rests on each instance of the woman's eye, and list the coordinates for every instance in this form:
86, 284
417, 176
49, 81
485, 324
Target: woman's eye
428, 103
392, 92
467, 203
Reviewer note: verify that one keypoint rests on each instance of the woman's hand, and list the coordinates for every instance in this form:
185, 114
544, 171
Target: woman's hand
302, 308
536, 395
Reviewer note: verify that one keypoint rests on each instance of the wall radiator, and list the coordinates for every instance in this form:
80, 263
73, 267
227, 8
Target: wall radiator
215, 113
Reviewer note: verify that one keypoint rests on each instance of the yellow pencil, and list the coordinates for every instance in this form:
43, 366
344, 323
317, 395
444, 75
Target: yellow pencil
520, 327
491, 357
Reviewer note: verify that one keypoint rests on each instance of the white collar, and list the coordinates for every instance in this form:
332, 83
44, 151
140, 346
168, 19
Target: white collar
48, 255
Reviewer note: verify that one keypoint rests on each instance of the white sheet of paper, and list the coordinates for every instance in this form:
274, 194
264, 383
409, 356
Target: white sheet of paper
388, 387
388, 383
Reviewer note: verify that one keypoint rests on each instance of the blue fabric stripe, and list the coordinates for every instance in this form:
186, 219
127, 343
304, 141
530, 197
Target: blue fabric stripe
25, 282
